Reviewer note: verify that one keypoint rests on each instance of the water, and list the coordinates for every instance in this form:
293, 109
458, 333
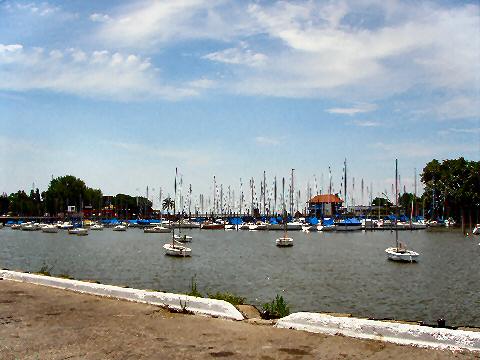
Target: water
322, 272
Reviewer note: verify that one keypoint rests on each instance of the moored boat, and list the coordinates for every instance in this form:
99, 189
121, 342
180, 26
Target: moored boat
401, 254
50, 229
120, 228
156, 229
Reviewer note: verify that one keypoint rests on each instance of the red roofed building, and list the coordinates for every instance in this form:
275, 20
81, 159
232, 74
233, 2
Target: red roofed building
324, 205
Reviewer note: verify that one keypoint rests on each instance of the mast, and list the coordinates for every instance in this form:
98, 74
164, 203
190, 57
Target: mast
284, 209
345, 188
174, 208
264, 192
396, 203
275, 195
415, 191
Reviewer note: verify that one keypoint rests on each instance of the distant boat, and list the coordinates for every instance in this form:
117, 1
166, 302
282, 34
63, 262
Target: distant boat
284, 241
49, 229
120, 228
156, 229
348, 224
399, 252
212, 226
96, 227
183, 238
78, 231
174, 248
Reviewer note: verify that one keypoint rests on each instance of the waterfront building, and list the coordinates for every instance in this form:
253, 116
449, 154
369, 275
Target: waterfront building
324, 205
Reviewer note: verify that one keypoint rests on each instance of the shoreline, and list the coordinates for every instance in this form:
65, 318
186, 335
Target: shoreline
41, 322
386, 331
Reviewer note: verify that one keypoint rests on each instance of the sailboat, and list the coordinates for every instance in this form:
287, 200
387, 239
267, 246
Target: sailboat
284, 241
399, 252
174, 248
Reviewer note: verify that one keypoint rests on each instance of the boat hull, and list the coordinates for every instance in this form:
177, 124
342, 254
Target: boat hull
395, 254
284, 242
157, 230
177, 250
212, 227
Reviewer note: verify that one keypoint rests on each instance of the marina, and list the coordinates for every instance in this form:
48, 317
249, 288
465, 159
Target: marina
341, 272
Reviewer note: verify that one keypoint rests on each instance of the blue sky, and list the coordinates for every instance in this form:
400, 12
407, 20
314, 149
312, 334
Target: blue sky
121, 93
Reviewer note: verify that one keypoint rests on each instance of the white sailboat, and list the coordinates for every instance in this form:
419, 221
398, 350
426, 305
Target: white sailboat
399, 252
175, 248
284, 241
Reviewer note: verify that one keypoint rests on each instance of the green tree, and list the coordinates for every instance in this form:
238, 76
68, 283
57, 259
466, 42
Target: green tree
4, 204
452, 188
69, 191
168, 204
380, 201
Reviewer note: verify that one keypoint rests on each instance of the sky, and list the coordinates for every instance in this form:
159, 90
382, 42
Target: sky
122, 93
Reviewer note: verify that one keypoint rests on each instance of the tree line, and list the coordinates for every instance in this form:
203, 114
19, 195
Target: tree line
67, 191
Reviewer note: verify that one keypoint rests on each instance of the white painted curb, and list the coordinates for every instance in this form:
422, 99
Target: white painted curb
405, 334
211, 307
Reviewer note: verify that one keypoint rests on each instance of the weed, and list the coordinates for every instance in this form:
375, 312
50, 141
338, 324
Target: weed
278, 308
193, 288
229, 297
45, 270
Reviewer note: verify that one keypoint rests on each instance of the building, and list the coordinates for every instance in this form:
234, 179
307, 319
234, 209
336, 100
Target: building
325, 205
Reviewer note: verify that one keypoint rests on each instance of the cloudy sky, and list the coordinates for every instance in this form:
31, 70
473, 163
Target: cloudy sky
121, 93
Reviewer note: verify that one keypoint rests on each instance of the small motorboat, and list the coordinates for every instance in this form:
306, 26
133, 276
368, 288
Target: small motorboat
96, 227
284, 242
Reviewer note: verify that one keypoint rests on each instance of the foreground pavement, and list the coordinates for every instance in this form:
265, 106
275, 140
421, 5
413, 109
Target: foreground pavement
37, 322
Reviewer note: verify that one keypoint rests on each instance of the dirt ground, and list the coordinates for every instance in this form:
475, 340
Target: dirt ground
37, 322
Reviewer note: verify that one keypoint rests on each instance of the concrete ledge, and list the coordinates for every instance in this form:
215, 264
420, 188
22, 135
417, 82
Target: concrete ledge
405, 334
210, 307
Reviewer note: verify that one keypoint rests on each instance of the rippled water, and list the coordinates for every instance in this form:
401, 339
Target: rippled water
323, 272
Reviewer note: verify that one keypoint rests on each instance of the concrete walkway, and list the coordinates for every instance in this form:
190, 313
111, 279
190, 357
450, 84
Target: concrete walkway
37, 322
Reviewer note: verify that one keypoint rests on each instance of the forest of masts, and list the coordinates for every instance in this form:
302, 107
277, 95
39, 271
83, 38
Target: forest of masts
267, 196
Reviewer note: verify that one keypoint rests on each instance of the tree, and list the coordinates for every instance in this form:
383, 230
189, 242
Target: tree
379, 201
168, 204
69, 191
452, 188
405, 203
4, 204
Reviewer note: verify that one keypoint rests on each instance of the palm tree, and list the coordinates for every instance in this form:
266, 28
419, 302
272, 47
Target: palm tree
168, 204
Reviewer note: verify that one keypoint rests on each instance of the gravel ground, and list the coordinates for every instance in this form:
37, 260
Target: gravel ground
37, 322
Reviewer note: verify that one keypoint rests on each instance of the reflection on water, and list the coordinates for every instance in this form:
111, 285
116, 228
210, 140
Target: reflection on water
328, 272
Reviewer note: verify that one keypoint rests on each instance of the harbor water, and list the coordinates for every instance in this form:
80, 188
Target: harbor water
323, 272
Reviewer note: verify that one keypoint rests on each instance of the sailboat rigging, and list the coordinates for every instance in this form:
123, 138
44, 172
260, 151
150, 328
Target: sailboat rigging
399, 252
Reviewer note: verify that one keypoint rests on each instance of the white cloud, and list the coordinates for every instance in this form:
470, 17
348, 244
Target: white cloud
98, 74
41, 9
238, 56
267, 141
366, 123
459, 107
357, 109
95, 17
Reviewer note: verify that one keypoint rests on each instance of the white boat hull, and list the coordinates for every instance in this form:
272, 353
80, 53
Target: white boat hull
177, 250
120, 228
157, 229
395, 254
284, 242
50, 229
348, 227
